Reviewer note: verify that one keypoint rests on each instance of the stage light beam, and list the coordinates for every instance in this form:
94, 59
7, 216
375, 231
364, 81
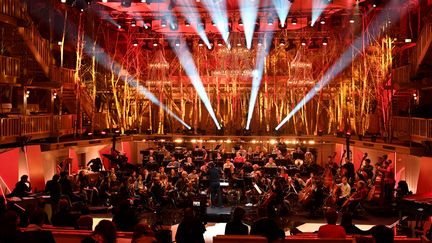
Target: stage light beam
349, 55
318, 7
282, 9
248, 14
218, 13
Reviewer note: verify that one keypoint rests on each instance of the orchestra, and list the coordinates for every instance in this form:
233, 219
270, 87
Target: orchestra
283, 178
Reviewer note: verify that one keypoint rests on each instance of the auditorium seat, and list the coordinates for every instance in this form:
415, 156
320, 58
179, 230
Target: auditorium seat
307, 238
75, 236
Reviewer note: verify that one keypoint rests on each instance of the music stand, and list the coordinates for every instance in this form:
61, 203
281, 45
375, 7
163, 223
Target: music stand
217, 147
281, 162
271, 171
198, 153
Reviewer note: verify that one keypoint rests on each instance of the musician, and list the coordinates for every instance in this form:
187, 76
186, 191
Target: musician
299, 183
214, 180
182, 182
367, 168
275, 197
348, 170
173, 163
157, 190
228, 168
22, 187
193, 177
332, 165
242, 152
146, 177
239, 158
345, 191
271, 163
359, 195
95, 165
389, 181
309, 158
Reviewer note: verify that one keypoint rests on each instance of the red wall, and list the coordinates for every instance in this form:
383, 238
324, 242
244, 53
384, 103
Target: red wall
9, 161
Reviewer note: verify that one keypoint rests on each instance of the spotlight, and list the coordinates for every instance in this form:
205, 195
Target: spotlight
240, 22
104, 1
322, 21
408, 40
200, 42
143, 1
135, 43
219, 42
187, 24
59, 43
133, 22
294, 21
270, 20
177, 42
303, 41
126, 3
163, 22
281, 42
324, 41
239, 43
155, 43
213, 23
147, 24
174, 25
352, 20
260, 43
63, 1
282, 27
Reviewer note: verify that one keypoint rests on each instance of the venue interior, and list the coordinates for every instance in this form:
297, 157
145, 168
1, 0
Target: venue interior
215, 121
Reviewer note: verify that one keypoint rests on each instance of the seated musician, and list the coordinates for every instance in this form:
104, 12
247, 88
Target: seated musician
242, 151
275, 196
95, 165
309, 158
271, 163
173, 163
348, 170
239, 158
158, 190
139, 185
22, 187
345, 191
366, 170
358, 196
146, 177
228, 168
331, 165
188, 163
247, 167
193, 177
299, 183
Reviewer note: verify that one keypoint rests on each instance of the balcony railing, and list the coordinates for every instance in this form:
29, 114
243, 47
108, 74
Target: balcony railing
10, 69
13, 8
47, 125
422, 46
417, 129
62, 75
401, 75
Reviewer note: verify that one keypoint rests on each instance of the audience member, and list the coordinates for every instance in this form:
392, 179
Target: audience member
9, 230
331, 230
236, 226
124, 216
143, 234
85, 221
34, 232
266, 227
53, 188
104, 232
350, 228
382, 234
190, 229
64, 217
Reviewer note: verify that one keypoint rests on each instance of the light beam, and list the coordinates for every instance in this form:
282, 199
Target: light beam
282, 9
318, 7
349, 55
248, 13
218, 13
191, 14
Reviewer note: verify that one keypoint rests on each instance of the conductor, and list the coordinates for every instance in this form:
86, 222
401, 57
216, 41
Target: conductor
214, 180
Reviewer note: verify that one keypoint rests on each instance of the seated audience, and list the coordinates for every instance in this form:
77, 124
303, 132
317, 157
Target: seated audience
34, 232
9, 227
143, 234
266, 227
382, 234
64, 217
124, 216
236, 225
350, 228
104, 232
190, 229
85, 221
331, 230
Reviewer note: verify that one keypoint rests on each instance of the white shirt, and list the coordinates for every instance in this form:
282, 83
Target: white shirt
345, 190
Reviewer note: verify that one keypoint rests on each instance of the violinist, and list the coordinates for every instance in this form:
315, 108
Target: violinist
359, 195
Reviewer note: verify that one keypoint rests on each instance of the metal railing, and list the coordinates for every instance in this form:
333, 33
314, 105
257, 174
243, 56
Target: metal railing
418, 129
36, 125
10, 67
13, 8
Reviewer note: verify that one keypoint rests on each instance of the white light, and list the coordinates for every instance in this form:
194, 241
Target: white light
408, 40
104, 1
193, 141
59, 43
311, 142
200, 141
352, 21
273, 141
178, 141
228, 141
254, 141
63, 1
211, 141
162, 140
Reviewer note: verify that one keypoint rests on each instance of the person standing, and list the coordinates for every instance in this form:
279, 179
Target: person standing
214, 180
